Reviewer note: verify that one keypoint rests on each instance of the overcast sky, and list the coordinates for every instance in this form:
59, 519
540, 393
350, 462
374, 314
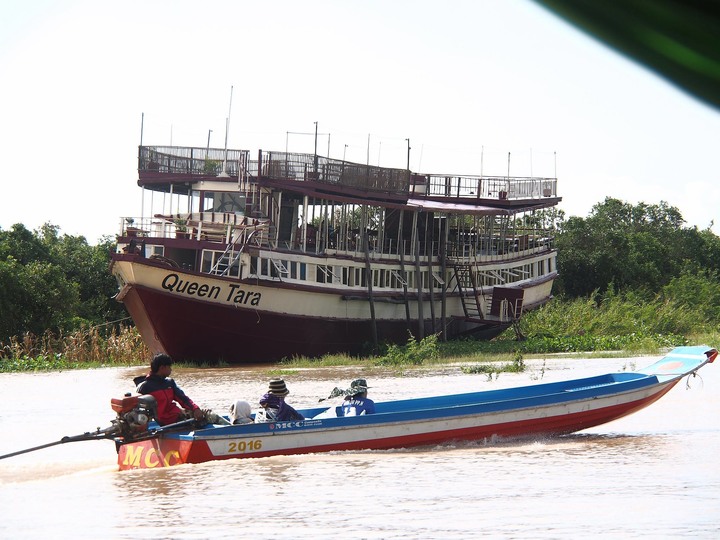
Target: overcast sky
466, 81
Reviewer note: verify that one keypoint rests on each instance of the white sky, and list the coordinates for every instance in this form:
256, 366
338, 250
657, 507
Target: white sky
466, 81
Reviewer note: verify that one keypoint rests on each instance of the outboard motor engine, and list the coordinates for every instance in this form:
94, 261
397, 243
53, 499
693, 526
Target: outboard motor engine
133, 414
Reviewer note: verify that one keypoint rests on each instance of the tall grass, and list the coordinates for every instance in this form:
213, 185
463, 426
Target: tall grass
630, 321
87, 347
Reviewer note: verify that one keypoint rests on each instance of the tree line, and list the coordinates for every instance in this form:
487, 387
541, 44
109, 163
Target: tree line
57, 283
54, 283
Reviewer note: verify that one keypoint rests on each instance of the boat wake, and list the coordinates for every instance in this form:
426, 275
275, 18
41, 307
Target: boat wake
40, 472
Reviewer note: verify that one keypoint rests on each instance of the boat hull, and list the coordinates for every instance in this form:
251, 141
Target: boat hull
534, 411
285, 322
522, 424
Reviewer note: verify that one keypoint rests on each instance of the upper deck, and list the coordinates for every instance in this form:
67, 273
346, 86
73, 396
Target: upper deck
160, 167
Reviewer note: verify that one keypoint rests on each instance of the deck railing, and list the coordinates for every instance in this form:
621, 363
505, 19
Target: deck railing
485, 187
283, 165
181, 160
175, 160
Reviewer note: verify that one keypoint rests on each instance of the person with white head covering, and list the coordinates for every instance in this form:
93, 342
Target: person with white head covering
241, 412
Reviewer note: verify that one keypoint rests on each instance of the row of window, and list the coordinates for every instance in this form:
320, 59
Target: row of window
355, 276
389, 278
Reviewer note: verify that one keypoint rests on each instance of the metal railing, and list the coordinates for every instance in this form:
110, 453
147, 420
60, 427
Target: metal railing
191, 161
310, 167
485, 187
283, 165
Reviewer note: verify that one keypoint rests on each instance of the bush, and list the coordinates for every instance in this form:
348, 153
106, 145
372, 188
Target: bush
412, 353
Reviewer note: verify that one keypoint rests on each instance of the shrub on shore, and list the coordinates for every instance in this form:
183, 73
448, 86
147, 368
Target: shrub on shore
83, 348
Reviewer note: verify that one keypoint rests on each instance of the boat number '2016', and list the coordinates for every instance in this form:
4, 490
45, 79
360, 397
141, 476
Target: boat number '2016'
235, 447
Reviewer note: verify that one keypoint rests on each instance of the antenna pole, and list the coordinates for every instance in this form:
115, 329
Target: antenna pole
227, 129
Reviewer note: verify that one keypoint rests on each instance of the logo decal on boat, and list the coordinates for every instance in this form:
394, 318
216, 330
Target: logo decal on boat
137, 456
285, 425
233, 293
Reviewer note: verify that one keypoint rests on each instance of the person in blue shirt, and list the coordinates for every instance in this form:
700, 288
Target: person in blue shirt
356, 401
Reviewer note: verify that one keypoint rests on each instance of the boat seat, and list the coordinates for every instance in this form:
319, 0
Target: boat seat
264, 415
331, 412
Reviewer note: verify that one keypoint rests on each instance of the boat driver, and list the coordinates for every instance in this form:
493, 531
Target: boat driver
166, 392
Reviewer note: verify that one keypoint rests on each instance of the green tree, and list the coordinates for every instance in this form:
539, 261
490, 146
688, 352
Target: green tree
53, 282
52, 299
13, 298
23, 245
631, 246
87, 266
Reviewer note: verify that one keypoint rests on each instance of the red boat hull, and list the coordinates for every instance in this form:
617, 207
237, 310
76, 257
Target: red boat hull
193, 330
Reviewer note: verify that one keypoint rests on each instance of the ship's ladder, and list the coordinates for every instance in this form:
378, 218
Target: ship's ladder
230, 256
473, 301
280, 268
327, 272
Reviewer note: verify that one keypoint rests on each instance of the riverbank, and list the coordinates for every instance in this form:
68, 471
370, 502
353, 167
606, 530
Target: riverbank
504, 354
602, 326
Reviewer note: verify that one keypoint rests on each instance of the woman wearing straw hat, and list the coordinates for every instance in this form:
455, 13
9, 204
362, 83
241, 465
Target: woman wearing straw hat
272, 404
356, 400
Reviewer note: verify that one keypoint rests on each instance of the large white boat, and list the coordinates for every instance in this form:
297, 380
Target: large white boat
298, 254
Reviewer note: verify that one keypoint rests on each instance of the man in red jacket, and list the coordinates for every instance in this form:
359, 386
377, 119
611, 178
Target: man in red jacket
168, 395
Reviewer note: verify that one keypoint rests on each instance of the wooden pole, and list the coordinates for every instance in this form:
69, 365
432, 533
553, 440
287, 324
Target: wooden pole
401, 248
443, 267
369, 277
418, 281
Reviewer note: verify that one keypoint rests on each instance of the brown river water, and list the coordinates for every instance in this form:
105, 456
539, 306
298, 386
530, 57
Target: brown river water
654, 474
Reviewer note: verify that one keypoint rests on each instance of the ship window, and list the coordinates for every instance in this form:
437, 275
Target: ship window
223, 202
321, 274
157, 250
207, 257
396, 279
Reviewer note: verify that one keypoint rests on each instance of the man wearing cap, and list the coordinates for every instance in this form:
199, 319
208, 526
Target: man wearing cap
273, 404
356, 400
159, 384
